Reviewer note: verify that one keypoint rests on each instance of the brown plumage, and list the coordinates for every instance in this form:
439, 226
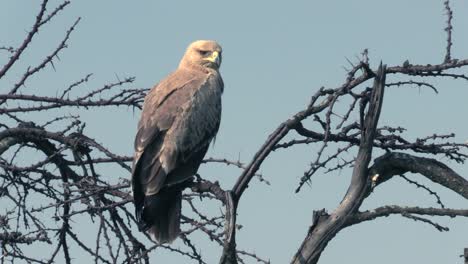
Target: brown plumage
180, 117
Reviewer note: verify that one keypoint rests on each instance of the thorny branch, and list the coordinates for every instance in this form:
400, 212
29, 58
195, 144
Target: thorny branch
64, 184
448, 29
326, 226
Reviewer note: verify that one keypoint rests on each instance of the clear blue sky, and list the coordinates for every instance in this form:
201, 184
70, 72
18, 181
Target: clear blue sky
276, 54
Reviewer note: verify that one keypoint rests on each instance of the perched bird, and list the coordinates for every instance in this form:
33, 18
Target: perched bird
181, 115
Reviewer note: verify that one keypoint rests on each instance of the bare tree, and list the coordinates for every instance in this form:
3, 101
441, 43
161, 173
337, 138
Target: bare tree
68, 180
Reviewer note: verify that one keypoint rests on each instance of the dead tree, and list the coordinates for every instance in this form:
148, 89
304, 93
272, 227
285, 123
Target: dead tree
67, 182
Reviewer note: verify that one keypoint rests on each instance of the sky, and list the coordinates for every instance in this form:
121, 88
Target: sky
276, 54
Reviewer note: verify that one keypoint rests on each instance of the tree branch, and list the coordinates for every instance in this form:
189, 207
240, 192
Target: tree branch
388, 210
323, 231
396, 163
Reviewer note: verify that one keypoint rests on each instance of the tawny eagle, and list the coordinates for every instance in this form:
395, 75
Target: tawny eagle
180, 117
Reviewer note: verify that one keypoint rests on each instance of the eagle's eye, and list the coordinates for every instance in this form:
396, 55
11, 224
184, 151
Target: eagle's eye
203, 52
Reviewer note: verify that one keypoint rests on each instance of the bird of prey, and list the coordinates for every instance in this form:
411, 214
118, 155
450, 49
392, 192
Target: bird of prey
181, 115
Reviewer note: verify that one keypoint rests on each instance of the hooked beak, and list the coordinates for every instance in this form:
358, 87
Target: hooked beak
215, 58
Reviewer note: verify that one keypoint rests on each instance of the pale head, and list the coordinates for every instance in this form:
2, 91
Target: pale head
205, 53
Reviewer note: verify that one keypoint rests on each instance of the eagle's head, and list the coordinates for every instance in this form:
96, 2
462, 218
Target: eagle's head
205, 53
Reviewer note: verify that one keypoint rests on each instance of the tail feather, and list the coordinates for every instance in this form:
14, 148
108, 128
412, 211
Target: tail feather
161, 215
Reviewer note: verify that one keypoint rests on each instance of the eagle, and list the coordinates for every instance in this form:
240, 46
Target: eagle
180, 118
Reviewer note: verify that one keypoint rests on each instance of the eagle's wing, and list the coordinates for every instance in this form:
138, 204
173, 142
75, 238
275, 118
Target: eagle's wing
178, 121
162, 105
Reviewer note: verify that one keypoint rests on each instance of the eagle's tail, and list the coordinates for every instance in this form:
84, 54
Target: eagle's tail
161, 215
